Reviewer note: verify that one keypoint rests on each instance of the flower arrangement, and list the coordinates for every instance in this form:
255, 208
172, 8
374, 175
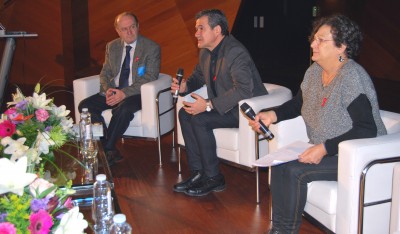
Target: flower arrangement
30, 130
34, 127
29, 204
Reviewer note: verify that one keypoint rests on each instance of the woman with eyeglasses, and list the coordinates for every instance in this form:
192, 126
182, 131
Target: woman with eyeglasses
338, 102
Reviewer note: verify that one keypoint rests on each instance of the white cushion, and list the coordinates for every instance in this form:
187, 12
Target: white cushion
136, 121
323, 194
227, 138
227, 143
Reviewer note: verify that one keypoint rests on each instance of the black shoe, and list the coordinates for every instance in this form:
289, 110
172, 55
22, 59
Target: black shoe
113, 156
211, 184
195, 178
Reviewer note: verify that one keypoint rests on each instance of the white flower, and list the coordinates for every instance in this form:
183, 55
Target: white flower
43, 142
13, 176
16, 148
17, 97
72, 222
60, 111
40, 101
33, 156
67, 125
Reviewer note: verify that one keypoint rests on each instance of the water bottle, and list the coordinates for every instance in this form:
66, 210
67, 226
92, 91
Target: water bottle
102, 207
120, 226
86, 111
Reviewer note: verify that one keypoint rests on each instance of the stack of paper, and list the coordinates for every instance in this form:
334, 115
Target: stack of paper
285, 154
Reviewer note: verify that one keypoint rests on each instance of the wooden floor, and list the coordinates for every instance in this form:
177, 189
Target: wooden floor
145, 195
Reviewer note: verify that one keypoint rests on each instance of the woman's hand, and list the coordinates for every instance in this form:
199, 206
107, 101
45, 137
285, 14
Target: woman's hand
266, 117
313, 155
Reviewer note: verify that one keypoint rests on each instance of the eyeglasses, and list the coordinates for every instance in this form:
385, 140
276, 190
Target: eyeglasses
318, 40
126, 29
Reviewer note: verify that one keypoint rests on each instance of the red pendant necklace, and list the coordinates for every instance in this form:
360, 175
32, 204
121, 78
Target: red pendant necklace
329, 79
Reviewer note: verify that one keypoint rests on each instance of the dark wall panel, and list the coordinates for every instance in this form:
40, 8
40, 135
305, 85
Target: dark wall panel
276, 34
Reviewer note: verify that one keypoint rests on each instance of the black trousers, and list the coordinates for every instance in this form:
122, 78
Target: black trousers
289, 190
122, 114
197, 131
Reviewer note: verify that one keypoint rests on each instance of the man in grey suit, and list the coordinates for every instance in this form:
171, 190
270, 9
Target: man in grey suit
130, 61
230, 74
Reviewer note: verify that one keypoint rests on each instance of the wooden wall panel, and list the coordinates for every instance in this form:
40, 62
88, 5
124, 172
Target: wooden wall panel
381, 50
40, 57
169, 22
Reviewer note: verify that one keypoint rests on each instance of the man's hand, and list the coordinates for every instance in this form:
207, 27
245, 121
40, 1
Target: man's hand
114, 96
196, 107
175, 86
313, 155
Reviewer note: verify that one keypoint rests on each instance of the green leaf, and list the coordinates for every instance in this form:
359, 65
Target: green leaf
47, 191
37, 88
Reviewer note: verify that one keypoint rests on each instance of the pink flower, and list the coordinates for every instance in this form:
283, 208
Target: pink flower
42, 115
40, 222
11, 112
7, 228
68, 203
53, 203
7, 128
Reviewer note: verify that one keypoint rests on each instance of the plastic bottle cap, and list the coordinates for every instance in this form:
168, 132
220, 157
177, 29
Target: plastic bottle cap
85, 109
101, 177
119, 218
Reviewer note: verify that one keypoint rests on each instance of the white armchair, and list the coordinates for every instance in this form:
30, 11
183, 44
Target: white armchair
336, 205
395, 208
156, 117
237, 146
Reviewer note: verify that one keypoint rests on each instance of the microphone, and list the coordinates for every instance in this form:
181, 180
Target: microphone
249, 112
179, 76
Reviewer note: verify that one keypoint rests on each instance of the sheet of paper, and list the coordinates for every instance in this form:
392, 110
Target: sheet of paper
201, 92
283, 155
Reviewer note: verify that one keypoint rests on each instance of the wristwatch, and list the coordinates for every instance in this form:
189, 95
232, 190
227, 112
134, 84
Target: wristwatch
208, 106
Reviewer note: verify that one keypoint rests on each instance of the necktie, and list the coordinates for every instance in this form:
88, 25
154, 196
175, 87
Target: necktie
125, 69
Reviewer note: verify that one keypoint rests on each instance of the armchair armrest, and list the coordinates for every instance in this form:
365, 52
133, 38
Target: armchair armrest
83, 88
150, 92
287, 132
395, 208
354, 156
276, 96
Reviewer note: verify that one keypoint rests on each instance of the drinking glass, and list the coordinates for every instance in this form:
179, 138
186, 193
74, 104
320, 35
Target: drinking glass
89, 149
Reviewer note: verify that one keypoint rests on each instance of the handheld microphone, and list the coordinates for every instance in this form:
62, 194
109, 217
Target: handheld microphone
249, 112
179, 77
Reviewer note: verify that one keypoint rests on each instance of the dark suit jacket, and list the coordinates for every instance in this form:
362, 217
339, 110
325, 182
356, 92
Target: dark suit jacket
237, 76
145, 64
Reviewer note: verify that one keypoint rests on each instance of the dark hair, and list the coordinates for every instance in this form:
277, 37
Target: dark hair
126, 13
344, 31
215, 17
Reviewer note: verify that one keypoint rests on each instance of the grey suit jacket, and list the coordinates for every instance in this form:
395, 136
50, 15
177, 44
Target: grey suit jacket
145, 64
237, 77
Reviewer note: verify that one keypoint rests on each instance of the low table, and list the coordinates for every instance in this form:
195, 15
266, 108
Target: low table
74, 169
